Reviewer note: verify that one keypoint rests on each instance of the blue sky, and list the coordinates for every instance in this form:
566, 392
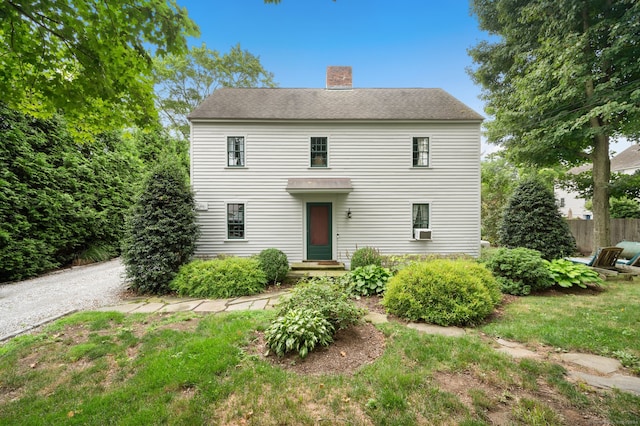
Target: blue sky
401, 43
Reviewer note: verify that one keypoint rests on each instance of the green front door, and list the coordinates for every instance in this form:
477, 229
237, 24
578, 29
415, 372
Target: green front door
319, 231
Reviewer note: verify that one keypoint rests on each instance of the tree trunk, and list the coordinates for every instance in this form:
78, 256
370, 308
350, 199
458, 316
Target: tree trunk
601, 176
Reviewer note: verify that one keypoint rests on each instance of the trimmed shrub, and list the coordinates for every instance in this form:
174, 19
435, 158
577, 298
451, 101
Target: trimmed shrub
444, 292
366, 256
328, 298
161, 231
520, 271
567, 274
298, 330
368, 280
274, 263
532, 220
220, 278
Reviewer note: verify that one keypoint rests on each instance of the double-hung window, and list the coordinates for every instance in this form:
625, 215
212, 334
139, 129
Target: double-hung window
421, 152
235, 151
420, 217
235, 221
319, 152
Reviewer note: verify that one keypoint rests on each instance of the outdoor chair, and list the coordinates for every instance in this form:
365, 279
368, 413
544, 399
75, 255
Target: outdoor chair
605, 258
630, 255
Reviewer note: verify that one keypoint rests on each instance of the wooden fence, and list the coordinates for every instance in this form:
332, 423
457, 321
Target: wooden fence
621, 230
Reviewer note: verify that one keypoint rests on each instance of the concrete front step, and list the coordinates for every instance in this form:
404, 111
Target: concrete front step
317, 266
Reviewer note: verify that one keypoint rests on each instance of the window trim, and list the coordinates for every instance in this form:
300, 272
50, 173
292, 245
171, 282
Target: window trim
243, 151
415, 152
326, 152
228, 236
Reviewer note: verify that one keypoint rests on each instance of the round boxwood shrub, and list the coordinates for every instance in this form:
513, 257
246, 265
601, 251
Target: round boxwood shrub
220, 278
443, 291
161, 231
366, 256
274, 263
520, 271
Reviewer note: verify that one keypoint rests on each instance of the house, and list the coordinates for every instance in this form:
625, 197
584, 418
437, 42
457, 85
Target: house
570, 203
318, 173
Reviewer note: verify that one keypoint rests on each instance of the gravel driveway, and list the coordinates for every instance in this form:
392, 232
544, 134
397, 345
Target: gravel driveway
26, 304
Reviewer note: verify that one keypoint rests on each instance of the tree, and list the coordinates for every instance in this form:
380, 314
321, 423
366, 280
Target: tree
161, 231
622, 208
532, 220
183, 81
499, 178
89, 59
560, 81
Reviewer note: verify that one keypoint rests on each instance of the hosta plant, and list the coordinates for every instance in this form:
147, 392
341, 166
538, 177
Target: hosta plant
567, 274
368, 280
299, 330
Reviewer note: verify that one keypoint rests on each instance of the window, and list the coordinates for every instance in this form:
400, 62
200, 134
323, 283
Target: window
420, 216
235, 221
235, 151
562, 202
319, 152
421, 152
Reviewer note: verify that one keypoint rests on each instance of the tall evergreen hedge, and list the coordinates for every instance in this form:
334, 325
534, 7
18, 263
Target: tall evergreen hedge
532, 220
58, 197
161, 230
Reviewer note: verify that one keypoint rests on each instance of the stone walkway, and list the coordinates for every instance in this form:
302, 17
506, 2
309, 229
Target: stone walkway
594, 370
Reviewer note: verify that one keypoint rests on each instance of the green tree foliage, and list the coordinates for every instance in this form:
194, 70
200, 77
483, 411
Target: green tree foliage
161, 231
184, 81
560, 78
88, 59
499, 178
623, 208
532, 220
57, 197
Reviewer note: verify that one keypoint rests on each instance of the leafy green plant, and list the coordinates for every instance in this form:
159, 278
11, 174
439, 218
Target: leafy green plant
443, 292
161, 231
299, 330
366, 256
328, 298
220, 278
520, 271
567, 274
368, 280
274, 263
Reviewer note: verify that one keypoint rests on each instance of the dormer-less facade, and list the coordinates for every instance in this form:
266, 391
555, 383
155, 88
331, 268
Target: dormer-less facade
318, 173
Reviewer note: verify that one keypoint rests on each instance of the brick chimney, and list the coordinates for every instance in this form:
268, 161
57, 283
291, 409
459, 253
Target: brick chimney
339, 78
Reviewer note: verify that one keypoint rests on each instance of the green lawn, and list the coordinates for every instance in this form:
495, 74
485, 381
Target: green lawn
107, 368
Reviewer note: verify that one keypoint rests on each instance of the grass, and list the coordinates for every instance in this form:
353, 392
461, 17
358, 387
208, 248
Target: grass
98, 368
604, 324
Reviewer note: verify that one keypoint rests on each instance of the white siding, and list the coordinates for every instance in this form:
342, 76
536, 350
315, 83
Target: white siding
377, 157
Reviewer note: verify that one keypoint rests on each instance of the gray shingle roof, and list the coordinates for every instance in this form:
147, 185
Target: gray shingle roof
627, 160
323, 104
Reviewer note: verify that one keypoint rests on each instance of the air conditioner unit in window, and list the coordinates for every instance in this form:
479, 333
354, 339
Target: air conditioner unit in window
422, 234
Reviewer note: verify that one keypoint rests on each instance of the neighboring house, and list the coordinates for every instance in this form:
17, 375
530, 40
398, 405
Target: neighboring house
318, 173
570, 203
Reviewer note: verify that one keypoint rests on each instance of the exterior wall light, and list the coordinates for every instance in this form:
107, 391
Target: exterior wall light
349, 214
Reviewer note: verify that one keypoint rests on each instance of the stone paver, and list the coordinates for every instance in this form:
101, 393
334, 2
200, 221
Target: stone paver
436, 329
181, 307
125, 309
211, 306
376, 318
259, 305
148, 308
598, 363
617, 381
244, 306
515, 349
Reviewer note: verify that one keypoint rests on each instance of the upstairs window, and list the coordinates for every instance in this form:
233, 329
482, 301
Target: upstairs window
235, 151
319, 152
421, 152
235, 221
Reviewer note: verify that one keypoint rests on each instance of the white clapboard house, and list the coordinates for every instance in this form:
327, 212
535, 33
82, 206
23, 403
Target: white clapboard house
318, 173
